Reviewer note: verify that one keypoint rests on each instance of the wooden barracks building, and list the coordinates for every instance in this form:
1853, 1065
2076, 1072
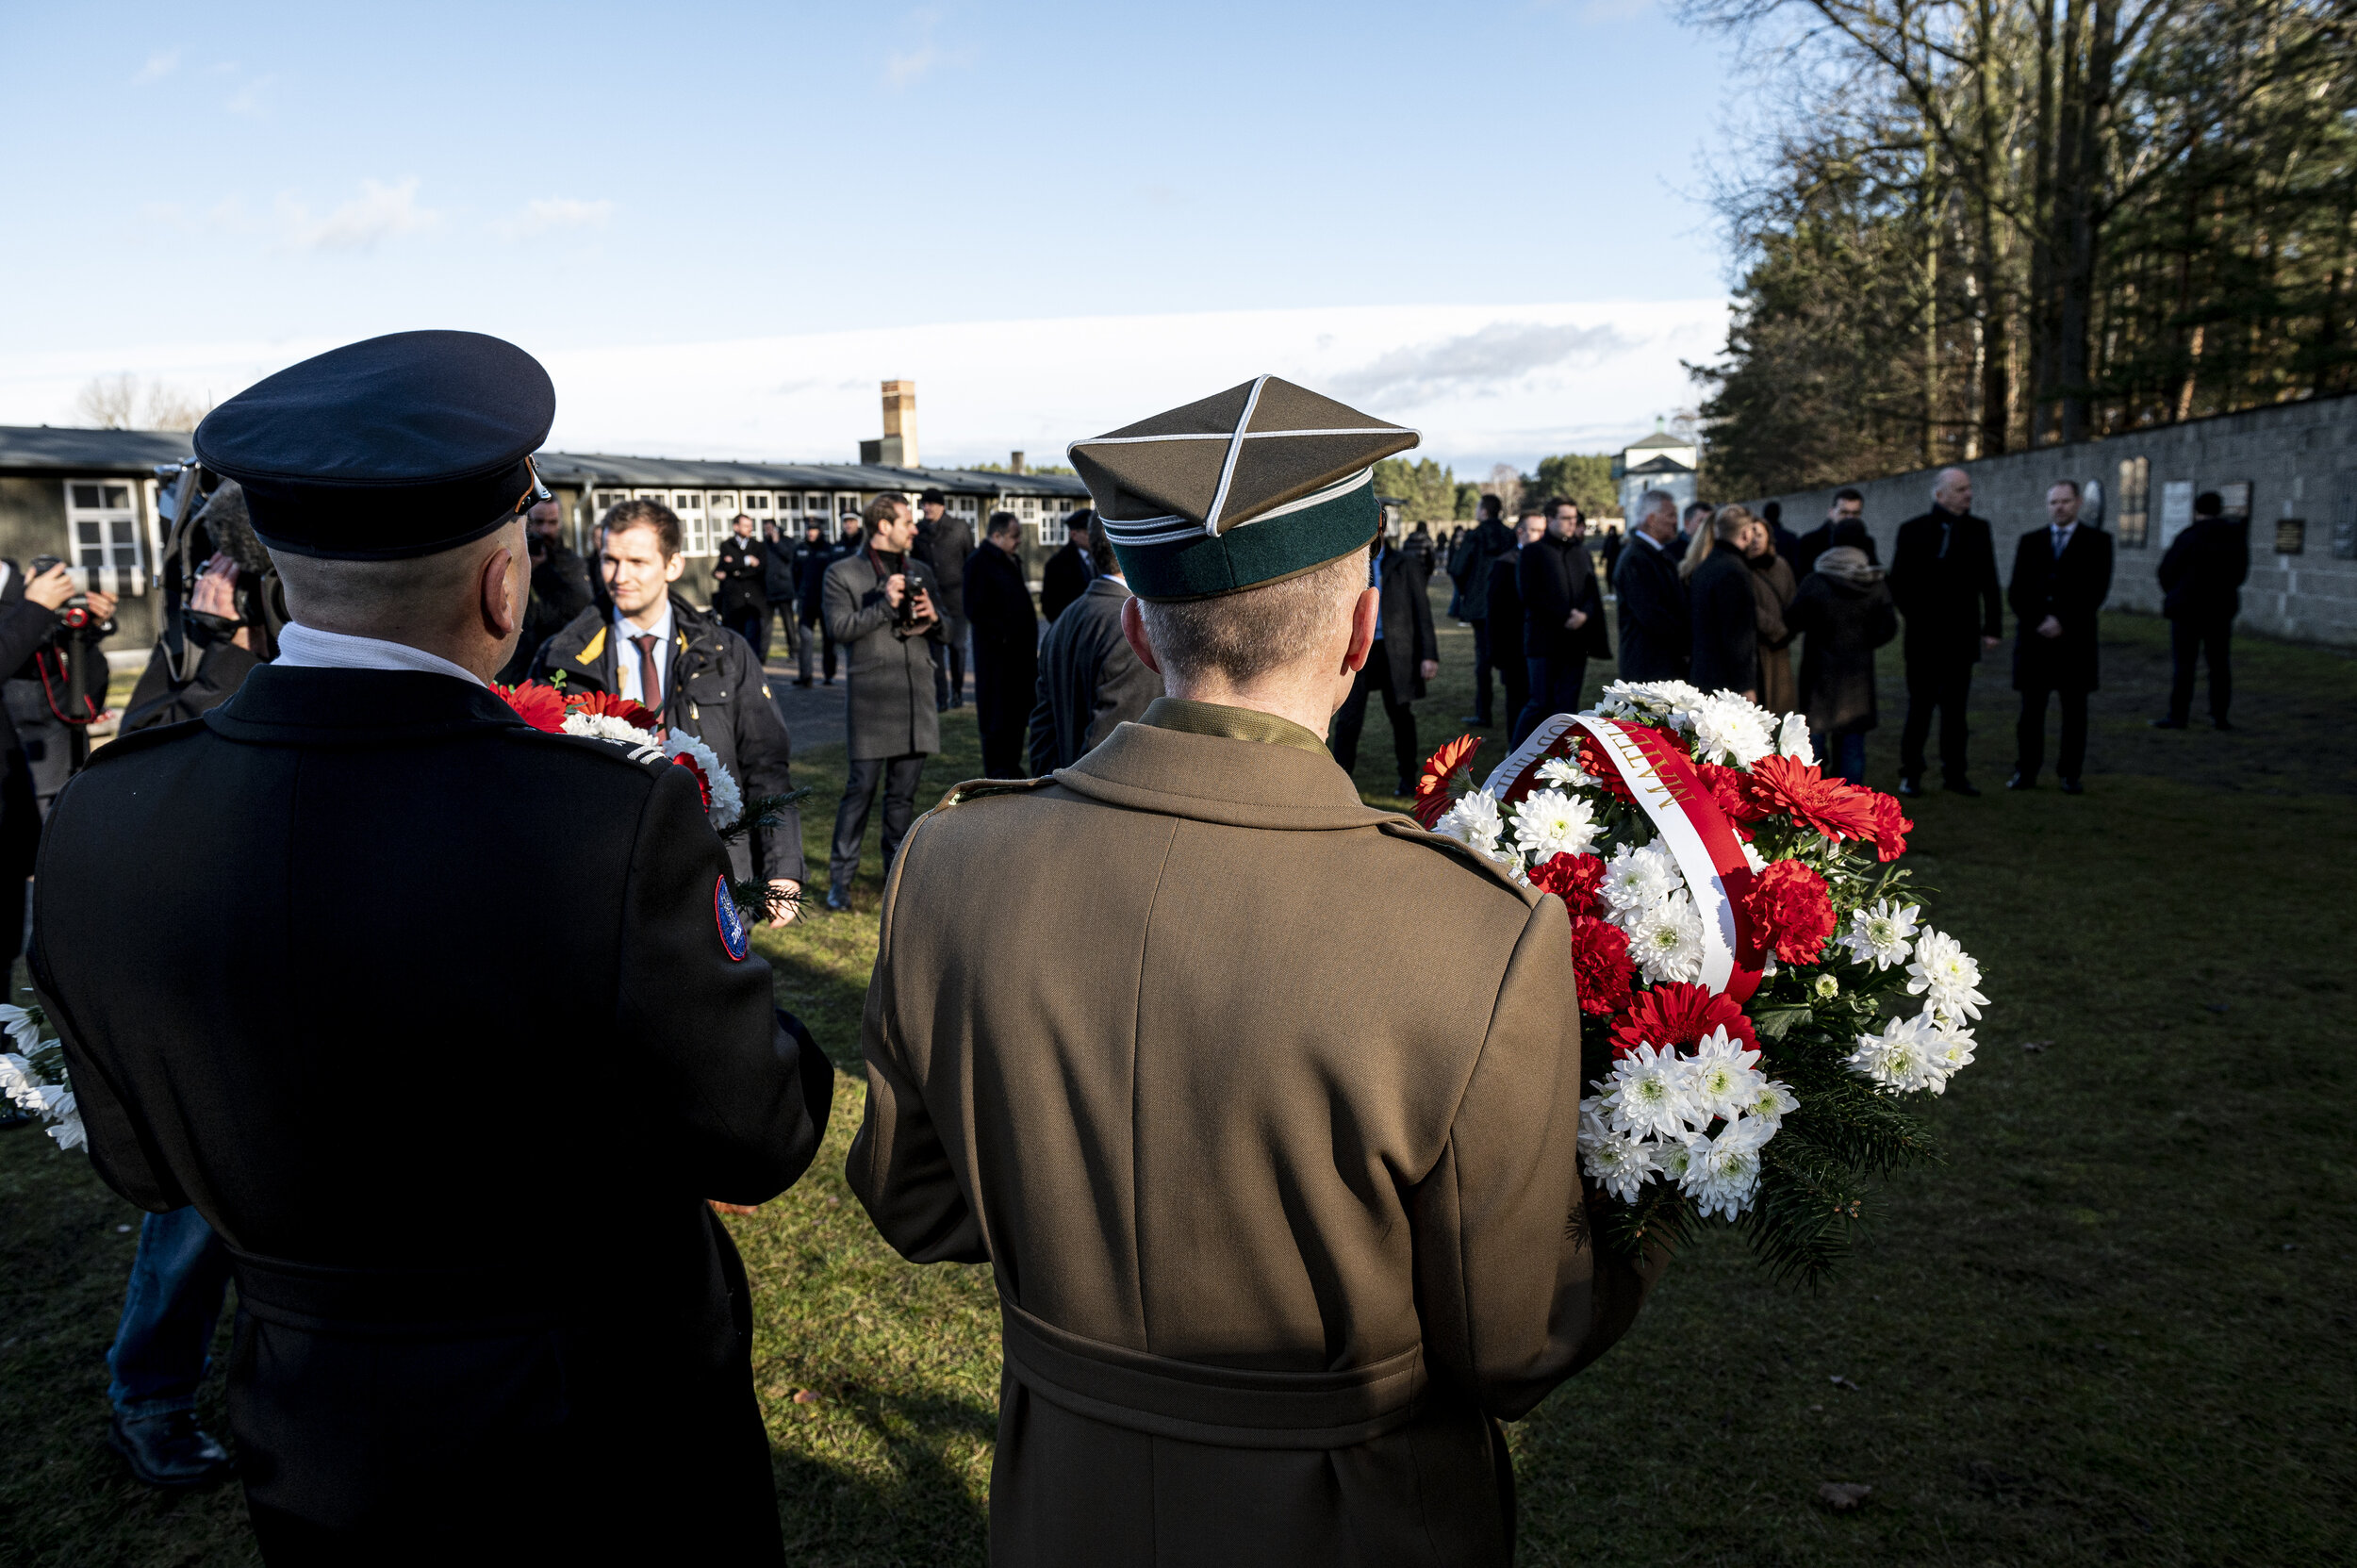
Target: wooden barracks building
90, 498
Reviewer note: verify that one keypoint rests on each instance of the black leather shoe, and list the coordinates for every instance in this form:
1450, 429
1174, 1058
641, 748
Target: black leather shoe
2073, 786
1960, 786
1911, 788
838, 902
170, 1450
2168, 723
2021, 781
805, 683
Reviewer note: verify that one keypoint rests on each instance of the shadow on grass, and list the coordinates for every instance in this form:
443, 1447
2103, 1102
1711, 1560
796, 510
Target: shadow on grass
921, 1510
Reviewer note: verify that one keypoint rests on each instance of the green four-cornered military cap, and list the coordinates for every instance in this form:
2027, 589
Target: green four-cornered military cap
1265, 481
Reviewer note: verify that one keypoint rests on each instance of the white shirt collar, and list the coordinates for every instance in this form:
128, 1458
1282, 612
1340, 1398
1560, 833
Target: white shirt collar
304, 647
1650, 539
626, 628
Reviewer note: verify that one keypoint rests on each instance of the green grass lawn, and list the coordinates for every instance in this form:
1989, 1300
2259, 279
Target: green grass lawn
2115, 1325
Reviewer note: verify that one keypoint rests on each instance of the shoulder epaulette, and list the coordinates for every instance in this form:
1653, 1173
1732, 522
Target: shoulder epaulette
1464, 854
976, 790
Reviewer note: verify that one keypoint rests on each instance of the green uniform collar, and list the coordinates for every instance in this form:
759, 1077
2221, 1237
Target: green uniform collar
1217, 719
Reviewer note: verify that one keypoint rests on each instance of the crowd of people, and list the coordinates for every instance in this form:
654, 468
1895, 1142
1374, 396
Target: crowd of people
1730, 600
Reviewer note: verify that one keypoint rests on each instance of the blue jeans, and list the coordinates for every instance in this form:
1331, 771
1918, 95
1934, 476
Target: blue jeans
1842, 754
160, 1353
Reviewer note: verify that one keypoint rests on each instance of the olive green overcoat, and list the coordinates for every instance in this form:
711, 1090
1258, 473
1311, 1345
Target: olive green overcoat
1284, 1215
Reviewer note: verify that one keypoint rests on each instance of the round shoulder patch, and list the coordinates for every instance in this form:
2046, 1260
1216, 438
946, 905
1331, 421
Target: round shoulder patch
734, 939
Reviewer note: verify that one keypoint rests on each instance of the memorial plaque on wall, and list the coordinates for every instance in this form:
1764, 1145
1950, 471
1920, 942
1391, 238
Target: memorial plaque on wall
2237, 500
2291, 536
2176, 509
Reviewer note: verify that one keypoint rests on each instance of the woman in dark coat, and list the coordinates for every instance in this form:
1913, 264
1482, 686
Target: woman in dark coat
1771, 591
1719, 601
1843, 607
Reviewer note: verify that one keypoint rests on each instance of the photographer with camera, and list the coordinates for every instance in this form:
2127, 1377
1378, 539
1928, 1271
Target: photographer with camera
56, 695
881, 607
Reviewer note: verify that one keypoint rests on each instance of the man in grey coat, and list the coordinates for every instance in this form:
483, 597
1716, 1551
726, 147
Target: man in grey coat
880, 606
1089, 678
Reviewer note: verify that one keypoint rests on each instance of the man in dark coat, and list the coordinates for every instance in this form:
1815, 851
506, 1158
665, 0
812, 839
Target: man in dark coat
1656, 636
1562, 618
1089, 678
944, 542
1006, 644
1843, 608
1722, 608
1849, 506
560, 587
740, 586
419, 1377
2062, 573
1943, 577
1405, 655
777, 544
1067, 573
699, 677
2201, 579
812, 557
880, 604
1786, 543
1489, 542
1506, 618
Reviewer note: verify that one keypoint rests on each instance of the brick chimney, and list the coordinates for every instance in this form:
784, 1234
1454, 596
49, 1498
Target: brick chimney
1014, 462
898, 449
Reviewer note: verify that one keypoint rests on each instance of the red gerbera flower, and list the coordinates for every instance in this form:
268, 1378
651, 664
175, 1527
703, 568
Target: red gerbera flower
1791, 910
1600, 960
1833, 807
704, 782
540, 706
1572, 879
1436, 790
605, 704
1891, 828
1675, 1014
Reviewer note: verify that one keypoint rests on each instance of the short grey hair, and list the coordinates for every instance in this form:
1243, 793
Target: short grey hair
1939, 480
1243, 637
1656, 500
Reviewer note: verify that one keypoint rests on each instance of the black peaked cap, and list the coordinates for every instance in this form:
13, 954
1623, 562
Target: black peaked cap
398, 446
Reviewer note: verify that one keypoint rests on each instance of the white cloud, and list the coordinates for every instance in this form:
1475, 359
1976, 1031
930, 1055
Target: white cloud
547, 214
162, 63
1484, 362
378, 213
909, 66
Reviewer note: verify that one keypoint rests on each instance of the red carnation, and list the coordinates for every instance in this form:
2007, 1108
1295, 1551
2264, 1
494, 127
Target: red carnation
1891, 828
1731, 788
1436, 790
540, 706
1600, 768
605, 704
1833, 807
1675, 1014
1791, 911
1572, 879
1600, 959
704, 782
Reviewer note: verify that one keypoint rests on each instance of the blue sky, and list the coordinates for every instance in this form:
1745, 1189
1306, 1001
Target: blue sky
210, 190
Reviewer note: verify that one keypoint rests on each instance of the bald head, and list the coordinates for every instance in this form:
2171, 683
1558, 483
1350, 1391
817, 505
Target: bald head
466, 604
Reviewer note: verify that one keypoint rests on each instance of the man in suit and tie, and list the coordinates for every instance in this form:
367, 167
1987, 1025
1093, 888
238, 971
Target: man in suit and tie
741, 576
1067, 574
2062, 573
1657, 627
1563, 618
1943, 574
1405, 657
1006, 644
1089, 678
2201, 579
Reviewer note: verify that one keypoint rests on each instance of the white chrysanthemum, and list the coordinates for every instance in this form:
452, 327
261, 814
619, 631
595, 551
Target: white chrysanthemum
1729, 729
1881, 934
21, 1027
1725, 1077
1792, 739
1900, 1057
1649, 1093
1751, 857
728, 801
1666, 941
1648, 701
1673, 1156
1566, 773
1549, 822
66, 1125
604, 726
1774, 1102
1722, 1173
1638, 877
1944, 975
1620, 1163
1952, 1046
1474, 821
18, 1083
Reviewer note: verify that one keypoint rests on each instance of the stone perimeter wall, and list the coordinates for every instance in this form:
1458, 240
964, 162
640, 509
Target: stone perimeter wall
2299, 458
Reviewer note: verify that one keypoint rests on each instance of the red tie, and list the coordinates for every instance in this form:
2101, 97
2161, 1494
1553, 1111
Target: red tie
649, 683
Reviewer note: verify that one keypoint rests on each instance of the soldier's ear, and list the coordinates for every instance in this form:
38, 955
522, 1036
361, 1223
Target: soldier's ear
1133, 628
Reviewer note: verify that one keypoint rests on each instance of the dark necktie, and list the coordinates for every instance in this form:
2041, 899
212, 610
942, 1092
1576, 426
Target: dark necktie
649, 683
1943, 538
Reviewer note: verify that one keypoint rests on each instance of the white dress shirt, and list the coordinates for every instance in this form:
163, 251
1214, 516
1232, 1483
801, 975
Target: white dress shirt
626, 657
302, 647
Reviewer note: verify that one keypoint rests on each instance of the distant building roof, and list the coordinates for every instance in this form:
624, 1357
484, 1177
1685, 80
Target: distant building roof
63, 449
591, 469
1657, 439
1663, 465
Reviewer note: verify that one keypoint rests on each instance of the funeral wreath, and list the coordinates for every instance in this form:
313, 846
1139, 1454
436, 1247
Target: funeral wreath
1760, 997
